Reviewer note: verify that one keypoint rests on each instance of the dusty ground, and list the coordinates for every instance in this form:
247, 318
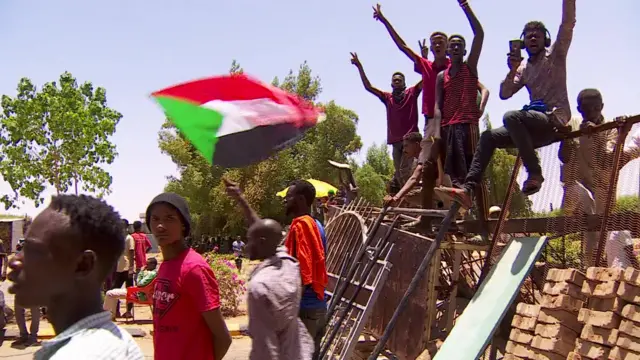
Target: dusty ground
239, 350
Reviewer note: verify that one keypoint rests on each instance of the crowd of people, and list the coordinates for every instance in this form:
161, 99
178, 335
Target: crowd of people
79, 243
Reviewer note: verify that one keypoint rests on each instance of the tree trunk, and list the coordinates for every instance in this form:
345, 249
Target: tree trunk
75, 183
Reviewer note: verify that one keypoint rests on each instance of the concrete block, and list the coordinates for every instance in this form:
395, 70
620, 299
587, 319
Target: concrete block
604, 319
521, 336
556, 345
561, 302
602, 290
550, 316
629, 292
569, 275
524, 323
563, 288
591, 350
630, 328
628, 342
632, 276
612, 304
527, 352
604, 274
631, 312
618, 353
599, 335
528, 310
512, 357
555, 331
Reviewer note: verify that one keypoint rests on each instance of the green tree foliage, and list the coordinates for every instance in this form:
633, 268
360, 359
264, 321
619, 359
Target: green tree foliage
58, 136
373, 176
213, 213
498, 175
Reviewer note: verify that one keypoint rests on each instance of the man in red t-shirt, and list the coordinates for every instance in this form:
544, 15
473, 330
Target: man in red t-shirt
402, 116
456, 107
141, 246
187, 321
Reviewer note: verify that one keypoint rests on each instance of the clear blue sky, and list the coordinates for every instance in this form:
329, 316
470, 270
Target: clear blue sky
135, 47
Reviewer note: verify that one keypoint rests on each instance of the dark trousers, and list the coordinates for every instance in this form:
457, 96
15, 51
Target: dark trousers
524, 130
22, 322
313, 320
119, 279
457, 150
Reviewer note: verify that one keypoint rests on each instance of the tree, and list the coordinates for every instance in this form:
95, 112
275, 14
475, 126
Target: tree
373, 176
213, 213
498, 175
59, 136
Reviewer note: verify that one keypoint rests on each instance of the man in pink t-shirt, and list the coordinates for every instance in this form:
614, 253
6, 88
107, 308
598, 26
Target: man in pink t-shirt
187, 321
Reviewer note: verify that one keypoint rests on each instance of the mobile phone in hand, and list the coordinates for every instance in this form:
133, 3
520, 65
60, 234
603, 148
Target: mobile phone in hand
515, 48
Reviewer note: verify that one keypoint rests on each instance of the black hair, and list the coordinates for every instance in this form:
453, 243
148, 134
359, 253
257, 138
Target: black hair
137, 225
457, 36
534, 26
95, 224
437, 33
399, 74
304, 188
153, 260
589, 93
415, 137
125, 222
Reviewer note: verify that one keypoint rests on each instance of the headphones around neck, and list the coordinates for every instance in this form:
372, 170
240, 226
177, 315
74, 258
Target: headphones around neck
547, 38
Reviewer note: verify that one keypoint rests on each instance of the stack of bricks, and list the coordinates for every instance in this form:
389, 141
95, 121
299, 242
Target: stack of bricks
548, 331
612, 318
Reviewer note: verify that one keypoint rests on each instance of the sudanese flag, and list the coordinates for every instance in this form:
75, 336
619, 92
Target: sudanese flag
235, 120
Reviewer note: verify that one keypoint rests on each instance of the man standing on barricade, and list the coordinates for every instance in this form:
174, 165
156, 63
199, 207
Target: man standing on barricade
402, 116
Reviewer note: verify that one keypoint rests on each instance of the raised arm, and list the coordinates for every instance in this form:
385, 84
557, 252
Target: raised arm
377, 14
235, 193
437, 110
513, 82
565, 33
478, 36
365, 81
484, 97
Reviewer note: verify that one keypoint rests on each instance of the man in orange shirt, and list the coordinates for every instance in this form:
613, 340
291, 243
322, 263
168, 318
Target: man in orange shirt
306, 242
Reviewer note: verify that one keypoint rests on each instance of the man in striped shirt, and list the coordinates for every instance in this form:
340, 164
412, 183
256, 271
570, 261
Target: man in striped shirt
456, 107
537, 124
69, 250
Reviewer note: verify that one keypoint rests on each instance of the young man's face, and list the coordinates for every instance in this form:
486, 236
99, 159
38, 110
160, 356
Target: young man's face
411, 148
166, 224
534, 41
49, 262
438, 46
591, 109
291, 201
456, 50
397, 82
151, 264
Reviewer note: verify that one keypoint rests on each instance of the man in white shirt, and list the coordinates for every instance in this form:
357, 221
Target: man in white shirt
125, 269
586, 176
69, 250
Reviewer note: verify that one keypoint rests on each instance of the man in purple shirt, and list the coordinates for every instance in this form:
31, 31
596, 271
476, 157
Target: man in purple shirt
402, 116
537, 124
